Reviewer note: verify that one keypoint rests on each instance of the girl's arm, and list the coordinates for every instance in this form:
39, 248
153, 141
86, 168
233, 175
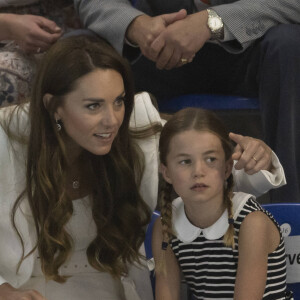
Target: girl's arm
258, 237
167, 286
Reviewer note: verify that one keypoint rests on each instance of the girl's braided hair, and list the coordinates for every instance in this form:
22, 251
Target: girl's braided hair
199, 120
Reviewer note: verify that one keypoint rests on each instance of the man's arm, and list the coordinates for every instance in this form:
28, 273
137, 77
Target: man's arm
107, 18
249, 20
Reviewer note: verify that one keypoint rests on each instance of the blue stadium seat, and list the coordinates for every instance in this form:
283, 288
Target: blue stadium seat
148, 248
207, 101
288, 217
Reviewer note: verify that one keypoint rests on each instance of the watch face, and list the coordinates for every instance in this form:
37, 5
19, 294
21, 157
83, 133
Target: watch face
215, 23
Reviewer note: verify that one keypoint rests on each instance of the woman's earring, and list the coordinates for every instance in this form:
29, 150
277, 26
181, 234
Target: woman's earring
225, 184
58, 126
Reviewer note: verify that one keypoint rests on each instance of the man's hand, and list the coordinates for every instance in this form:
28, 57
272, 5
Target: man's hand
143, 30
181, 40
252, 155
33, 33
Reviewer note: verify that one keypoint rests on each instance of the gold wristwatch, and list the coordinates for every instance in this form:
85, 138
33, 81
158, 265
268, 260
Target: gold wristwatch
215, 25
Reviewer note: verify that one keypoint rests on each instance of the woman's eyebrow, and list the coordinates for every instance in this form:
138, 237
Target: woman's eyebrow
101, 99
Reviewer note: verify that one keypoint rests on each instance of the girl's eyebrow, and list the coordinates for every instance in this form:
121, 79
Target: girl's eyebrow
205, 153
101, 99
210, 152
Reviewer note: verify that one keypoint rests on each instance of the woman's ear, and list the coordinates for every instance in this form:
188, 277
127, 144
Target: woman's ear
228, 167
46, 99
165, 173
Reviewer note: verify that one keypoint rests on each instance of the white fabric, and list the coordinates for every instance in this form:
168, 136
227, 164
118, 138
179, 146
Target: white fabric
84, 282
262, 181
144, 113
292, 249
5, 3
187, 232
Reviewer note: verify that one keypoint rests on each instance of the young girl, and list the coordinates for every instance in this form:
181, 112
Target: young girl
224, 243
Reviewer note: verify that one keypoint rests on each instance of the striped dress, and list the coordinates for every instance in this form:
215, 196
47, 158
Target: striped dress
208, 266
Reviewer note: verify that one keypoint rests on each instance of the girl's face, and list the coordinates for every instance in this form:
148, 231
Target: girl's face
196, 166
93, 112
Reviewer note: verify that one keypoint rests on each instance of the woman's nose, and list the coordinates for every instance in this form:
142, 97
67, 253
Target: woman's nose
110, 118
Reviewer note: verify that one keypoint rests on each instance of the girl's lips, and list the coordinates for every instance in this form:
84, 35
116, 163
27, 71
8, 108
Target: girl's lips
199, 187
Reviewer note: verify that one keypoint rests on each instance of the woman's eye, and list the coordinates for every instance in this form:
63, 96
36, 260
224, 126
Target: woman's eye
120, 101
185, 162
93, 106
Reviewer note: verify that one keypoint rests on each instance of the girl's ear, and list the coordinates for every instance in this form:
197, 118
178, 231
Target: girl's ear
228, 167
165, 173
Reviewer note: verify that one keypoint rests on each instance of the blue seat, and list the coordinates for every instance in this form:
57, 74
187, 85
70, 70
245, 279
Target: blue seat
288, 217
148, 248
207, 101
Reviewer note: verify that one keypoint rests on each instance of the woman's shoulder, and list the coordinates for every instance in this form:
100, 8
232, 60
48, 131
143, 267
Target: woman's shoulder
14, 118
144, 112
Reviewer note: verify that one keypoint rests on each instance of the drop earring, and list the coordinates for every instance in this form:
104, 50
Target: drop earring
225, 184
58, 126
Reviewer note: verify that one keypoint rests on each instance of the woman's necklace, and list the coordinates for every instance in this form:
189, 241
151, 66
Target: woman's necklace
75, 184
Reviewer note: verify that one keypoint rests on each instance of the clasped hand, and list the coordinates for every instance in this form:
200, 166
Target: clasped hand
170, 40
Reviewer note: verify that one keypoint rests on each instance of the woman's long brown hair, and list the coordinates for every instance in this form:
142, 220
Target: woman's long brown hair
118, 210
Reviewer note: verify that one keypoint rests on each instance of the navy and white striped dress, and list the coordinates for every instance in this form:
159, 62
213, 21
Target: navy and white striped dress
208, 266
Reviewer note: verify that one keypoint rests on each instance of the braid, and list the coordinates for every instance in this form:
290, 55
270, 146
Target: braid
229, 235
166, 220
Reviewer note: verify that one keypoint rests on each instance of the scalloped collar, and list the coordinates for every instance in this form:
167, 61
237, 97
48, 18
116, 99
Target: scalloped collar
187, 232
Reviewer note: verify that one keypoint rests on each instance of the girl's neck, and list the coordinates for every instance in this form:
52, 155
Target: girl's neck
205, 214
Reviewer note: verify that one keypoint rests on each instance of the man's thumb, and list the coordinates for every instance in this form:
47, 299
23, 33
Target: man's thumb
173, 17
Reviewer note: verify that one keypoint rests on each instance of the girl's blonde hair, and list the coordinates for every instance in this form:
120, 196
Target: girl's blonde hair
200, 120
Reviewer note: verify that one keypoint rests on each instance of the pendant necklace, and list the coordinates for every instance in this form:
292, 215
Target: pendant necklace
75, 184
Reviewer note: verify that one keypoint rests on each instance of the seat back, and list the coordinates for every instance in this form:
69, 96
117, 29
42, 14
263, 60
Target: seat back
288, 217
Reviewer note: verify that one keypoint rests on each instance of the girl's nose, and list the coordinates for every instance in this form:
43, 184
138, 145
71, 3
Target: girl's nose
199, 169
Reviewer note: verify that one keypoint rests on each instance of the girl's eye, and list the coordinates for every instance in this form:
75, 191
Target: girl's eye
185, 162
120, 101
211, 159
93, 106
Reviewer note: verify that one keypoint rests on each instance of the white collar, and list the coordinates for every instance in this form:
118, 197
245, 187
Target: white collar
187, 232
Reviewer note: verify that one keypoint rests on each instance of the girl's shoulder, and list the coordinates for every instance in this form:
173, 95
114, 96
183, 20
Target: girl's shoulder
252, 217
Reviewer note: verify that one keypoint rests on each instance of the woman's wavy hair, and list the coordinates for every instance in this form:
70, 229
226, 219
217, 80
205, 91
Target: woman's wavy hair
118, 210
200, 120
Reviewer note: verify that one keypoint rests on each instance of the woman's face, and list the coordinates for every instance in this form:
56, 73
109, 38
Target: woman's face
93, 112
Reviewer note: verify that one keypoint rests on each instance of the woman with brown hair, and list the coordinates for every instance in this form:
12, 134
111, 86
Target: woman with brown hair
71, 210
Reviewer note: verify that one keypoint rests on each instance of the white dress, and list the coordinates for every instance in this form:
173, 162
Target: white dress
84, 282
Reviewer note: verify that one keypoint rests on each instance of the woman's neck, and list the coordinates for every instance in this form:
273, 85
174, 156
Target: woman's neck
78, 183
